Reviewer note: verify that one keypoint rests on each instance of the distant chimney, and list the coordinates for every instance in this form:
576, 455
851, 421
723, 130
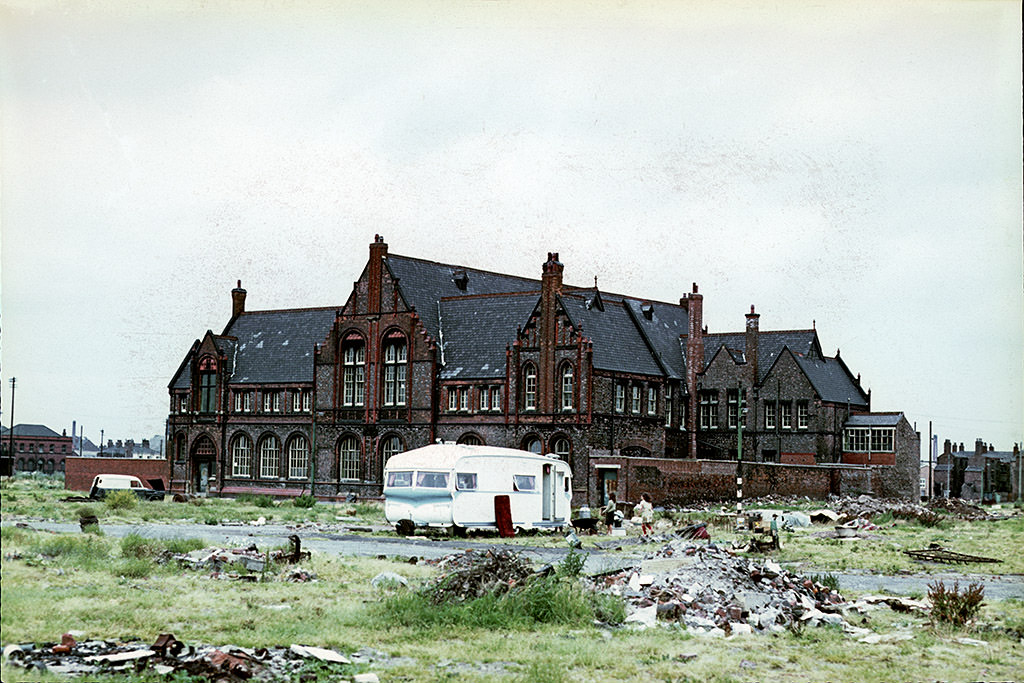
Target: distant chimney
237, 300
753, 337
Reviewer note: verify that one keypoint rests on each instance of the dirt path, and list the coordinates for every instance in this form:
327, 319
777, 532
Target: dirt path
997, 587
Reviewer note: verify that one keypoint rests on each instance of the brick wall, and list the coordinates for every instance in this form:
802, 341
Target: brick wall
80, 472
684, 482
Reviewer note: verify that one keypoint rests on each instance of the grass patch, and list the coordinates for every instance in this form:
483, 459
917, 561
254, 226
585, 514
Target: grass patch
122, 499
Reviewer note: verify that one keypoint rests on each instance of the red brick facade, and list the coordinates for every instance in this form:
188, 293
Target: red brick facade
423, 351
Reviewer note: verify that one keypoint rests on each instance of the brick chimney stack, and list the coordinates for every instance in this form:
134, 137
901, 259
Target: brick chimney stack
378, 252
237, 300
752, 342
550, 288
694, 303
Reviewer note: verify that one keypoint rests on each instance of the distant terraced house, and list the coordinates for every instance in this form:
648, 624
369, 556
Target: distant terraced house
636, 394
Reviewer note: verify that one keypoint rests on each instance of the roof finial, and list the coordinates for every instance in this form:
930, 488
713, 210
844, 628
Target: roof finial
595, 282
814, 324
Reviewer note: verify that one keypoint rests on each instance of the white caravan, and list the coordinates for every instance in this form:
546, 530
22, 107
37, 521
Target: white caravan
454, 486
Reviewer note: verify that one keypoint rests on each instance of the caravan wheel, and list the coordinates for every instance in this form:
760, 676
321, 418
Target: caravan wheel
405, 527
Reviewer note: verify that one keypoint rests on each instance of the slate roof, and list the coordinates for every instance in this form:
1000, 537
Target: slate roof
424, 283
275, 346
29, 431
476, 330
874, 420
618, 344
663, 331
831, 380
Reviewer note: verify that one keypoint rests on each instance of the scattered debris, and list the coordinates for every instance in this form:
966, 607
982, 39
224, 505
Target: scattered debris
936, 553
169, 656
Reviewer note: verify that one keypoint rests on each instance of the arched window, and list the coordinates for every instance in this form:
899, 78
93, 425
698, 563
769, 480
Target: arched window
21, 464
567, 387
60, 466
207, 384
471, 439
532, 444
348, 455
241, 456
298, 458
270, 457
353, 357
529, 387
562, 448
49, 466
392, 445
395, 359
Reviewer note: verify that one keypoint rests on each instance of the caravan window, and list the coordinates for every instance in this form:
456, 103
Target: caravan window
524, 482
399, 478
432, 480
465, 481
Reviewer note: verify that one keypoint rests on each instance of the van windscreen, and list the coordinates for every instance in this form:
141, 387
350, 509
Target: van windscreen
399, 479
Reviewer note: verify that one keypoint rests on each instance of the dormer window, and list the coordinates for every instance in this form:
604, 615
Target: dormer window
461, 279
529, 387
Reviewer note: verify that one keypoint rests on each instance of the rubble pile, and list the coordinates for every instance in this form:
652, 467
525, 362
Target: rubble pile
168, 656
960, 508
867, 507
707, 589
475, 573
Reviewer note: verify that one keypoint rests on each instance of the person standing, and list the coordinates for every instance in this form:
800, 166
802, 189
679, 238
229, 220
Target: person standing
609, 512
645, 510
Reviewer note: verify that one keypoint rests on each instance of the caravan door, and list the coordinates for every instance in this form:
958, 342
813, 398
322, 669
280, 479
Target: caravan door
547, 492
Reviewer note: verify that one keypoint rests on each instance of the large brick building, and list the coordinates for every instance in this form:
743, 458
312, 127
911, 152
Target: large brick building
37, 448
288, 400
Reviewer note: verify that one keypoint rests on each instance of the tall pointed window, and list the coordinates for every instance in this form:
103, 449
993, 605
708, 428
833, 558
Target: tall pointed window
298, 458
270, 457
348, 453
395, 360
567, 387
207, 384
241, 456
529, 387
391, 446
354, 373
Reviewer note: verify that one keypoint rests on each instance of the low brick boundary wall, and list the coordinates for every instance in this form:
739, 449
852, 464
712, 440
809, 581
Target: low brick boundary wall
80, 471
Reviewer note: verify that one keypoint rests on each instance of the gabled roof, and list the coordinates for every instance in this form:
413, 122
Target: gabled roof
31, 431
769, 346
874, 420
274, 346
476, 330
618, 344
832, 381
424, 283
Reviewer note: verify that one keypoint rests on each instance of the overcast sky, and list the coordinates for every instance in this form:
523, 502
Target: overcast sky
856, 166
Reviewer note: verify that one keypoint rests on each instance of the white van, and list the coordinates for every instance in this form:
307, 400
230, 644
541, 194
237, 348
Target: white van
103, 484
454, 486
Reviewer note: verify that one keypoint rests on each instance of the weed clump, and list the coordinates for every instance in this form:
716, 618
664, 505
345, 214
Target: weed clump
261, 500
953, 605
122, 499
304, 501
828, 579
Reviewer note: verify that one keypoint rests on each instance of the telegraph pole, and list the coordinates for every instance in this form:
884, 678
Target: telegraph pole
10, 447
931, 455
